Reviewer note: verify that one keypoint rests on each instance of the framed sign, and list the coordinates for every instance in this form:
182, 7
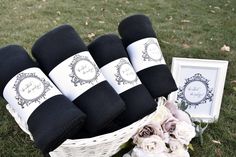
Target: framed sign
200, 85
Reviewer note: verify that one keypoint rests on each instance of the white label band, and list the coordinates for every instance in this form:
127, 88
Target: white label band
145, 53
121, 75
76, 75
27, 90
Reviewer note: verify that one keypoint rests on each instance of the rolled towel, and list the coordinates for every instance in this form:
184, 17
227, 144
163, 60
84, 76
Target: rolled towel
145, 54
112, 59
50, 117
64, 57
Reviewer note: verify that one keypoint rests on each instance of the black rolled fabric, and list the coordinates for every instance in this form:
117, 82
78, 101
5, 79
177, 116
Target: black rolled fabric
100, 102
56, 118
107, 50
158, 78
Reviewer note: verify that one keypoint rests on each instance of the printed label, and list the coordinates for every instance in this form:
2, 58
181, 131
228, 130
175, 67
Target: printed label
27, 90
195, 91
145, 53
76, 75
121, 75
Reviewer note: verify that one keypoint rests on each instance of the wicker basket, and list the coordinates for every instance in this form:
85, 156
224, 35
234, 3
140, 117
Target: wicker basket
99, 146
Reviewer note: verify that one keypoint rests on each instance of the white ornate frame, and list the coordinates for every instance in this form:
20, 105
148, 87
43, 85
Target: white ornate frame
220, 65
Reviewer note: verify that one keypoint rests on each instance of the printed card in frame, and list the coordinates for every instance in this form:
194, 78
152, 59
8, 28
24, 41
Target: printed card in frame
200, 85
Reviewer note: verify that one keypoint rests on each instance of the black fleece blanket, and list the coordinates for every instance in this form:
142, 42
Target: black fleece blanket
111, 57
157, 77
100, 102
52, 122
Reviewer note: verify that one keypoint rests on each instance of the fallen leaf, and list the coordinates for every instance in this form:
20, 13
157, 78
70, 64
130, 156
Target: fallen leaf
225, 48
91, 35
185, 46
216, 142
217, 7
185, 21
101, 22
234, 88
212, 11
163, 41
170, 18
58, 13
234, 81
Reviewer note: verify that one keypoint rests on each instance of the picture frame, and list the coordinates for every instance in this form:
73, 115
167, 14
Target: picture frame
200, 85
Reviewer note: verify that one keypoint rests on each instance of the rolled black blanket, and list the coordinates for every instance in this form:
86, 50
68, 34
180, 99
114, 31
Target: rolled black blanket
112, 59
145, 54
64, 57
50, 117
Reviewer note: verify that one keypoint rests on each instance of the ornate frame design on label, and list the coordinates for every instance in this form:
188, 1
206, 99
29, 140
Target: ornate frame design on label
202, 98
77, 79
119, 76
147, 53
27, 77
200, 86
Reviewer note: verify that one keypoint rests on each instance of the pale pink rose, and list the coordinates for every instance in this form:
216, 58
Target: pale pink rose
179, 153
137, 152
169, 125
182, 116
177, 113
171, 106
175, 144
147, 131
166, 137
153, 144
183, 132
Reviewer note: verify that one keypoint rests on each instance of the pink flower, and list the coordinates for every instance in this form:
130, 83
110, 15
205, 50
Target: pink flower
169, 125
153, 144
147, 131
177, 113
171, 106
182, 116
183, 132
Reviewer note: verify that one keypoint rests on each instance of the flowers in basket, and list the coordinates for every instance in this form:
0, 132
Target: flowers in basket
167, 135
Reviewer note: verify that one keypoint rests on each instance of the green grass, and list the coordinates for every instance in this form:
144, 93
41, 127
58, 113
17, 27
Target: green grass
210, 25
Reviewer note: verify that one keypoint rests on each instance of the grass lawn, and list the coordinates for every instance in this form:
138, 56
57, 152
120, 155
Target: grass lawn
193, 29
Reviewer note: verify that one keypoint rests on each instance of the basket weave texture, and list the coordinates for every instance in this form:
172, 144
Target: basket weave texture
100, 146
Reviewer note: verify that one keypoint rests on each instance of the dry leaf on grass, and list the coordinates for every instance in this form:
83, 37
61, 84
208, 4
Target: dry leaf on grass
212, 11
186, 46
58, 13
216, 142
217, 8
91, 35
185, 21
233, 82
225, 48
101, 22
